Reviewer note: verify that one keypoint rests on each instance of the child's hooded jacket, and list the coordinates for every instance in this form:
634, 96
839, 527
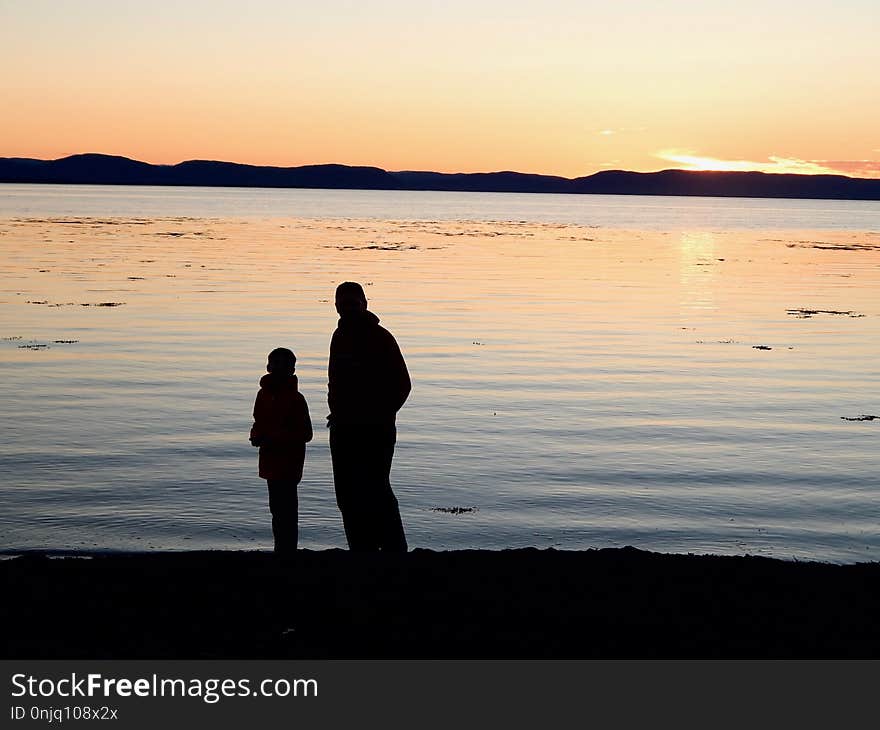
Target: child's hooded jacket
282, 426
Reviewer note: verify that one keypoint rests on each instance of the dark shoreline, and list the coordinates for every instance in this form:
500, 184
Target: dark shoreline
610, 603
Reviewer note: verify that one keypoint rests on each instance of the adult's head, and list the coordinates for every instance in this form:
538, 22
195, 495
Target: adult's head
350, 298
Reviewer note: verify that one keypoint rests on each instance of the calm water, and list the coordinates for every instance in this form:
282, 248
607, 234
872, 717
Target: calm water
586, 370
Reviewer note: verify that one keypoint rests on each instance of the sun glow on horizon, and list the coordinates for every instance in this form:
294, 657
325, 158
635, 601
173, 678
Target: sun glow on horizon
773, 164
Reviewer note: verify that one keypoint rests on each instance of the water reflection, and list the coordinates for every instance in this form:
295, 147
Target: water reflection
563, 386
697, 270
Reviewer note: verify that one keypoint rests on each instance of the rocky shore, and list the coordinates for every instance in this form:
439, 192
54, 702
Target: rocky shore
612, 603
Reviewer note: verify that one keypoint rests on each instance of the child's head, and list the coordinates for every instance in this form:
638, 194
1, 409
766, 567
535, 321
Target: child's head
281, 361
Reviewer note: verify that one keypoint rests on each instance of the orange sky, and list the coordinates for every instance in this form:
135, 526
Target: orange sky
558, 87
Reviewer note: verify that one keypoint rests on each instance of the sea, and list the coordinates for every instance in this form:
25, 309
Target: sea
682, 375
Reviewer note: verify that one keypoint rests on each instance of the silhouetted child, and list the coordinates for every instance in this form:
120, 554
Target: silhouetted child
282, 427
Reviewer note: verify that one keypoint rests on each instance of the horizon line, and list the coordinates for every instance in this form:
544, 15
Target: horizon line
434, 172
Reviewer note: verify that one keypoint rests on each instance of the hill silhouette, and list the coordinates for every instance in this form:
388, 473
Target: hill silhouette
98, 169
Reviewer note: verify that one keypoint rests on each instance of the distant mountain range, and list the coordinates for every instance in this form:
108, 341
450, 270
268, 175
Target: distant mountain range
96, 169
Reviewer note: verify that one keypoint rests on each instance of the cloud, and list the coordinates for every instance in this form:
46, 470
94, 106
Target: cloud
620, 130
689, 160
859, 168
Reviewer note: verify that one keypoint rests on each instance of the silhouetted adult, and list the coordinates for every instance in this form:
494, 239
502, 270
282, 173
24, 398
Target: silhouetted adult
368, 383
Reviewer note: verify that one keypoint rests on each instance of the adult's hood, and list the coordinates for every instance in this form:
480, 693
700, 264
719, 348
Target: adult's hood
358, 320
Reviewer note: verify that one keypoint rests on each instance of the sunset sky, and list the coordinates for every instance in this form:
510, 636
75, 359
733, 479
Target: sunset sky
565, 87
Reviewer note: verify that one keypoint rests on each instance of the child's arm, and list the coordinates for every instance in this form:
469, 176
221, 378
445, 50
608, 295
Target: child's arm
307, 421
257, 437
299, 427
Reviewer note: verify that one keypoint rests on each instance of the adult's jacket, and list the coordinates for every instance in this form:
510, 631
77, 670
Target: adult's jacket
368, 379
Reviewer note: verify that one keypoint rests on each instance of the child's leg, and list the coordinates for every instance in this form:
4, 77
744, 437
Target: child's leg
283, 505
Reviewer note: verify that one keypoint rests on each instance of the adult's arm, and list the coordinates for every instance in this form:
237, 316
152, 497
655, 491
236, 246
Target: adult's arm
332, 374
401, 385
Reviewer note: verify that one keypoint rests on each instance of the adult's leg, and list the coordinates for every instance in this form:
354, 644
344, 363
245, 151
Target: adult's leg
351, 481
284, 506
389, 526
